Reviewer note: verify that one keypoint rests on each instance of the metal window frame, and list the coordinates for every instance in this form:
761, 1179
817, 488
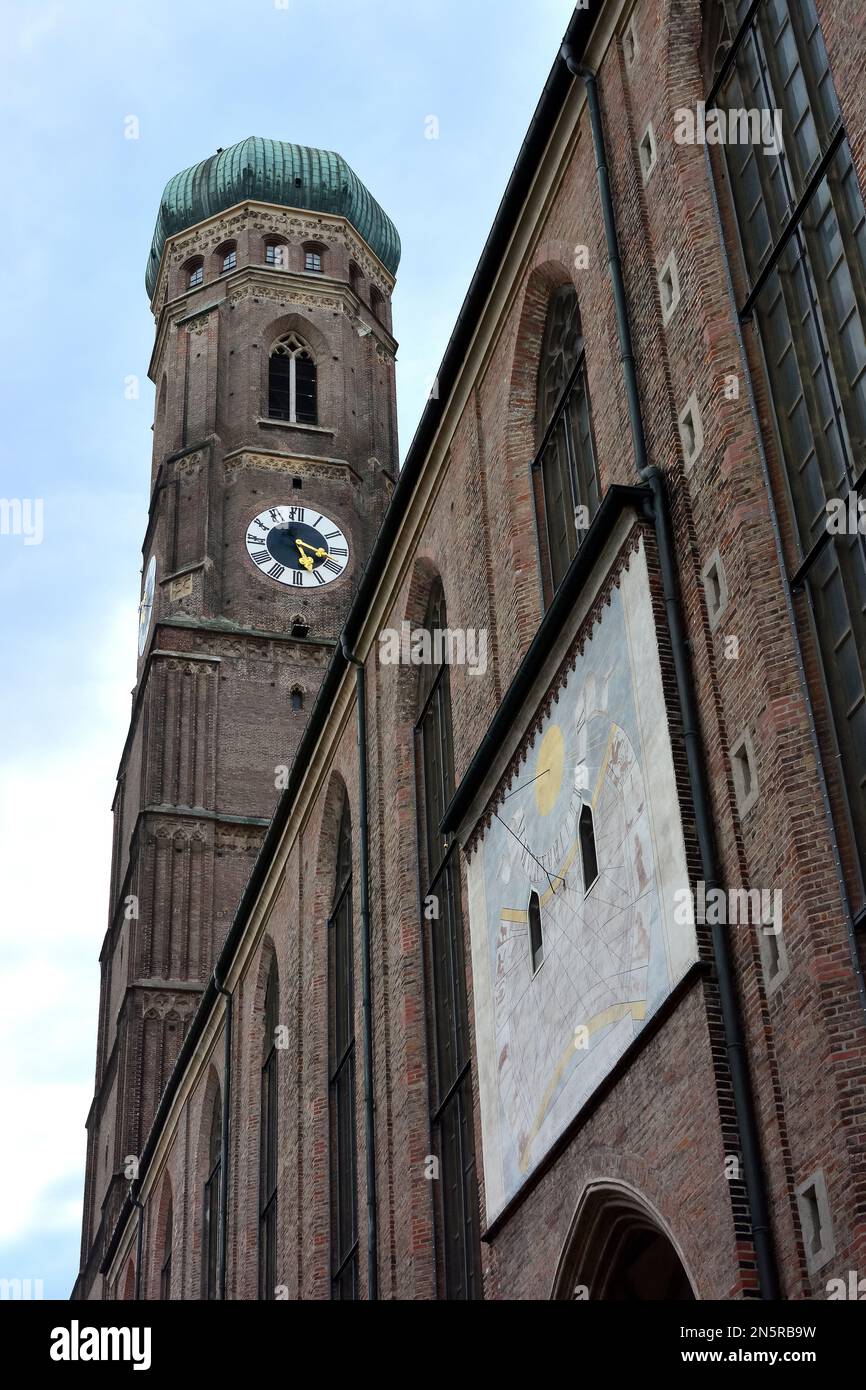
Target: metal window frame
440, 1101
794, 227
292, 417
561, 414
268, 1156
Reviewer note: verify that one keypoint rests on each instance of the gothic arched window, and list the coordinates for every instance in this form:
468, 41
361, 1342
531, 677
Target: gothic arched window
227, 256
268, 1141
802, 236
167, 1239
194, 271
211, 1237
292, 385
277, 253
455, 1194
566, 456
341, 1012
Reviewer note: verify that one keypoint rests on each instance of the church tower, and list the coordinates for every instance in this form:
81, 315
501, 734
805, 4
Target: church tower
274, 455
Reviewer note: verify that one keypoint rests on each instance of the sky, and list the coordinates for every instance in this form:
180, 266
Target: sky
81, 198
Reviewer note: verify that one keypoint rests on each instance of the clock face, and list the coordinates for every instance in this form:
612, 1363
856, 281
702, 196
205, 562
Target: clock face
297, 546
145, 608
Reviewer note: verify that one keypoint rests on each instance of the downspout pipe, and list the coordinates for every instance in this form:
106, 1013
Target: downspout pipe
139, 1241
753, 1169
366, 972
224, 1156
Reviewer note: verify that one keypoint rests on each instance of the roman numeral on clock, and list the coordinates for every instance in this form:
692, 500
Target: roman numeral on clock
276, 570
261, 557
331, 566
331, 535
296, 513
338, 550
298, 579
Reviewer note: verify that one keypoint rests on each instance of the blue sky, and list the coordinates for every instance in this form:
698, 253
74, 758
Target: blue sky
81, 201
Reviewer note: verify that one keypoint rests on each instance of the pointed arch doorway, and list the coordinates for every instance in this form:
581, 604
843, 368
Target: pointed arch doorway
619, 1250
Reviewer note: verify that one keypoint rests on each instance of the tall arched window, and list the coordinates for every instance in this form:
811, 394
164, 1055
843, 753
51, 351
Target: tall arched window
292, 386
167, 1241
341, 1012
268, 1142
455, 1193
211, 1234
802, 232
566, 456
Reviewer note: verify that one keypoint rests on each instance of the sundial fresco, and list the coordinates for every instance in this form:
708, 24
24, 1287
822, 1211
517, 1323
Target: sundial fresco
552, 1023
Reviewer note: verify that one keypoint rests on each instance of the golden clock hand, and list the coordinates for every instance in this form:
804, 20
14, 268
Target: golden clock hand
317, 550
305, 560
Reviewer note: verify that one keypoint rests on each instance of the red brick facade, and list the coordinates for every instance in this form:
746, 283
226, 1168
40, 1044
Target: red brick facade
212, 722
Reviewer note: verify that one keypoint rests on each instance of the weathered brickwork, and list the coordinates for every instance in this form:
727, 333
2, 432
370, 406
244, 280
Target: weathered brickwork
212, 721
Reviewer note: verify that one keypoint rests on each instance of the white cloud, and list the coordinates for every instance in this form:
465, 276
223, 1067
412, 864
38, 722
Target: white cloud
38, 27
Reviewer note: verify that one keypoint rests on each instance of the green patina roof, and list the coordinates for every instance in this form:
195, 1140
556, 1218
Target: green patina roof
272, 171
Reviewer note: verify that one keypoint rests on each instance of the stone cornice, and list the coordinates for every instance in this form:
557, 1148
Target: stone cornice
293, 289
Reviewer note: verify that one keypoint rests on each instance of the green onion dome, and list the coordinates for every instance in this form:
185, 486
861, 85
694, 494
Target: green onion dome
271, 171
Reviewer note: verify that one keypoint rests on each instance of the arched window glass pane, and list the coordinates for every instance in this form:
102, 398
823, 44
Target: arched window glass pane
211, 1242
800, 216
566, 458
165, 1268
456, 1192
560, 353
268, 1138
341, 999
292, 382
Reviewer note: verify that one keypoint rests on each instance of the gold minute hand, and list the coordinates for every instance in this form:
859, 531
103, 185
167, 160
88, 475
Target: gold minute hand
306, 560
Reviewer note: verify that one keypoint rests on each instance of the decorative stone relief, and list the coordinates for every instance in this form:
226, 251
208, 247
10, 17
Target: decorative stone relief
181, 588
197, 326
271, 222
190, 464
171, 1004
271, 463
286, 295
